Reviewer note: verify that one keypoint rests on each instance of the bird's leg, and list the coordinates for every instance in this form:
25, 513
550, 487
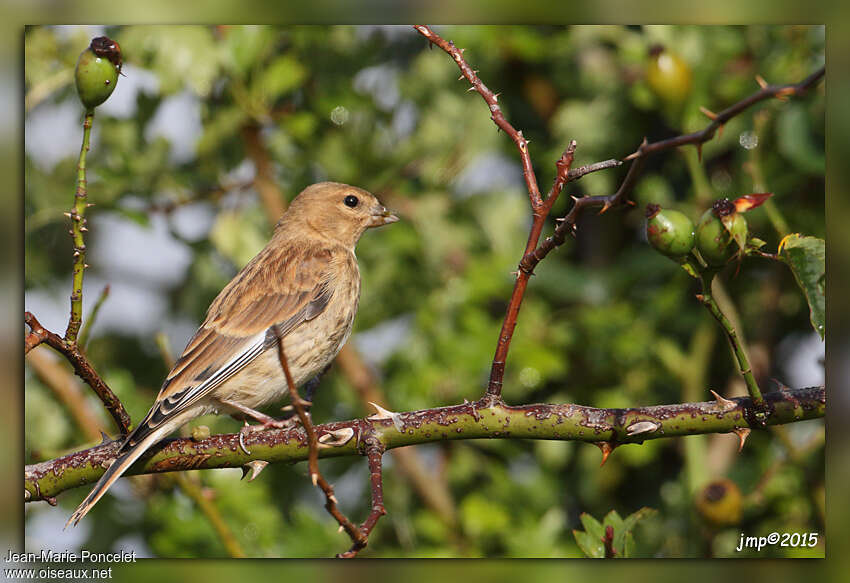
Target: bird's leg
266, 422
311, 386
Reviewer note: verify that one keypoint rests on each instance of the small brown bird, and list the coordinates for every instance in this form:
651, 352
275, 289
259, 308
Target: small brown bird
303, 287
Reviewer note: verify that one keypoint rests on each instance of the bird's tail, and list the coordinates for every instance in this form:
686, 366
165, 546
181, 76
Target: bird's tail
118, 467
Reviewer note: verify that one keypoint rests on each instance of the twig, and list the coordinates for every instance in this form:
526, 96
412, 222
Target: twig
705, 134
374, 453
707, 299
313, 453
565, 422
576, 173
81, 366
78, 227
566, 225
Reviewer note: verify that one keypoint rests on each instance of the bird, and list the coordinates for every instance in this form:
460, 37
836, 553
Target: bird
302, 289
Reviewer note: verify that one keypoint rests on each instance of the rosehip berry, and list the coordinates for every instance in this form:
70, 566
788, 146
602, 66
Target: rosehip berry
669, 231
97, 71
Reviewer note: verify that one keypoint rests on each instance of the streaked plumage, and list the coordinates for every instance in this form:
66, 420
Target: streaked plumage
304, 287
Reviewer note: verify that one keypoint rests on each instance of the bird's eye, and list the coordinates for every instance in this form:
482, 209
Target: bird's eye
350, 201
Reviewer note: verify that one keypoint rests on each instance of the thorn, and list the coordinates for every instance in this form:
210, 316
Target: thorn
76, 253
606, 448
287, 408
253, 467
86, 265
605, 207
760, 80
708, 113
384, 414
575, 198
104, 438
340, 529
90, 204
314, 478
724, 403
720, 130
67, 215
84, 229
242, 432
642, 427
460, 78
742, 433
470, 89
631, 156
699, 152
336, 438
780, 385
333, 499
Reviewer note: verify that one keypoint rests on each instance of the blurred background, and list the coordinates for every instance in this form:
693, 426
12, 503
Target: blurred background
212, 131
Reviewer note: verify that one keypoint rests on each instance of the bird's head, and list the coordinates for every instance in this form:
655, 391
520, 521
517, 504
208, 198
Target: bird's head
335, 211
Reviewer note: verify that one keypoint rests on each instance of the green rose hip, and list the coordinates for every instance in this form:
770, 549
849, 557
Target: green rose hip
669, 232
721, 233
97, 71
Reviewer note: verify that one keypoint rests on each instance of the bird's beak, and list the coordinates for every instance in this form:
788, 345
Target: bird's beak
381, 216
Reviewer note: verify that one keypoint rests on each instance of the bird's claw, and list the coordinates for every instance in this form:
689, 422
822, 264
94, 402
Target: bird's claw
268, 424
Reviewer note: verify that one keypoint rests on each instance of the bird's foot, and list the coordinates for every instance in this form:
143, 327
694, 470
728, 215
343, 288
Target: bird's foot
267, 423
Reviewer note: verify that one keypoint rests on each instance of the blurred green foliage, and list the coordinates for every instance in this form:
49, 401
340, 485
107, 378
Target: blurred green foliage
606, 321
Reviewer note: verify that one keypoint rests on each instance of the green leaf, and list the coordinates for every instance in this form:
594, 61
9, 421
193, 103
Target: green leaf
591, 525
590, 545
590, 541
805, 256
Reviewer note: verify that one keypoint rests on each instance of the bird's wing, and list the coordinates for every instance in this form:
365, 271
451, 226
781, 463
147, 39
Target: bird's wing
274, 293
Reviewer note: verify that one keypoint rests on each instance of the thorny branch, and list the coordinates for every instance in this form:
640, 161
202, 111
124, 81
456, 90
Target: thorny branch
39, 334
608, 428
78, 227
540, 208
331, 502
719, 119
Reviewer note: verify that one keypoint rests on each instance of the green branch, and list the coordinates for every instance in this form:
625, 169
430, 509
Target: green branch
605, 427
78, 227
709, 302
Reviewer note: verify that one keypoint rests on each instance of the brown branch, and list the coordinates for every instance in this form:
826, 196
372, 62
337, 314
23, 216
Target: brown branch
719, 119
576, 173
567, 224
81, 366
374, 452
313, 456
540, 208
